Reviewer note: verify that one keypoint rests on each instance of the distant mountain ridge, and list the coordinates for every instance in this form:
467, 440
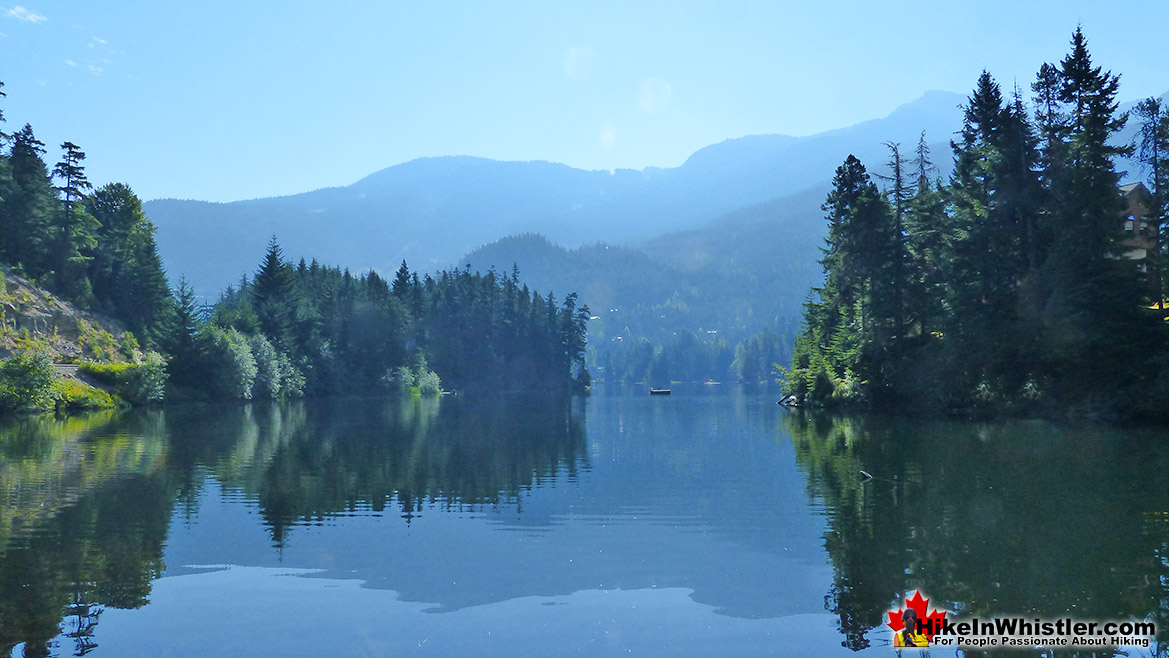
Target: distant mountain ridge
432, 210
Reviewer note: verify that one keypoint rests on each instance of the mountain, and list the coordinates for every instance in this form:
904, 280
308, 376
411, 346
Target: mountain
701, 291
431, 210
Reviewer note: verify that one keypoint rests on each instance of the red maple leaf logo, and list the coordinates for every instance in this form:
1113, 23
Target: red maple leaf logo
919, 606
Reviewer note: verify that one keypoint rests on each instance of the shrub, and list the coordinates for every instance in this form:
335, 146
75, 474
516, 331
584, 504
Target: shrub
72, 394
138, 383
427, 381
400, 378
231, 371
26, 380
97, 344
267, 368
292, 380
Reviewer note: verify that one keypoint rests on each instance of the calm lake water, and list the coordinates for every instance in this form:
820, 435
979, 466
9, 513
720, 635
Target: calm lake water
708, 523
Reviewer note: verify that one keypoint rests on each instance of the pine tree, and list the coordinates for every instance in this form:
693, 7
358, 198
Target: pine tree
849, 326
1051, 125
73, 229
74, 183
26, 218
180, 339
273, 292
125, 270
993, 196
4, 137
401, 285
1152, 141
1093, 294
898, 197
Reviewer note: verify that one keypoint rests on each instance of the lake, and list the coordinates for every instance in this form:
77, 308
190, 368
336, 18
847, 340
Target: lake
710, 522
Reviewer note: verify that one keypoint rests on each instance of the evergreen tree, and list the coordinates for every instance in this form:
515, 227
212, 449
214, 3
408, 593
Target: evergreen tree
401, 285
1152, 141
1051, 126
26, 217
992, 196
125, 271
1095, 296
74, 183
5, 185
4, 137
273, 292
849, 326
898, 197
928, 236
181, 338
73, 229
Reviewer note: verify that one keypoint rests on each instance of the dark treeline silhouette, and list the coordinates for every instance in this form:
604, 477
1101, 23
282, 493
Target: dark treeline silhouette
1029, 282
291, 330
320, 330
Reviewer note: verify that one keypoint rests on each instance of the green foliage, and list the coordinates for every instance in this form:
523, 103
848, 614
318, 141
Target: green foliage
333, 332
26, 381
95, 250
98, 344
124, 267
400, 378
229, 365
426, 382
292, 380
1006, 289
29, 203
71, 394
274, 297
139, 383
1152, 142
275, 373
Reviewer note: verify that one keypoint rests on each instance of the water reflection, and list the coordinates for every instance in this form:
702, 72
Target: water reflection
84, 523
990, 519
89, 502
720, 509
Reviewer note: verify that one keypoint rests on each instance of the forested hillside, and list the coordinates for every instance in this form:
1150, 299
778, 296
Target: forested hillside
289, 331
717, 303
1031, 281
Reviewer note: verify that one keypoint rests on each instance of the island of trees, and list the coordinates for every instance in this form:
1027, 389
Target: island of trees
292, 330
1013, 287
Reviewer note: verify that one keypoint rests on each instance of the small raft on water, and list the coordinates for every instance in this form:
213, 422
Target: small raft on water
659, 391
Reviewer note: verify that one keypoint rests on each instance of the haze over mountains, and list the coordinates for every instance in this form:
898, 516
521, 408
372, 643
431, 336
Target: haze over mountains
432, 211
721, 247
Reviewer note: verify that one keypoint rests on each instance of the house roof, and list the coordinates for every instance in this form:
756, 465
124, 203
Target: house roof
1133, 187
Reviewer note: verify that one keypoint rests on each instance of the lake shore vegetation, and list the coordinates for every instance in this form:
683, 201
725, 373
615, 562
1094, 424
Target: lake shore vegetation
1027, 283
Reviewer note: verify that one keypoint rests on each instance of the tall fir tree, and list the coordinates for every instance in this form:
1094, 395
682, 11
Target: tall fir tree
1095, 296
26, 217
73, 229
1152, 142
848, 326
125, 271
274, 297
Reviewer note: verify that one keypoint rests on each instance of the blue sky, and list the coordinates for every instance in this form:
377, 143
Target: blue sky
231, 100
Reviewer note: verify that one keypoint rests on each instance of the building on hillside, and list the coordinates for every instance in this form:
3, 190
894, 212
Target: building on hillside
1140, 231
1140, 235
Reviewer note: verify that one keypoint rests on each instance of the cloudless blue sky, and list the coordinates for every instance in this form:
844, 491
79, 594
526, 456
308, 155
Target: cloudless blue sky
225, 100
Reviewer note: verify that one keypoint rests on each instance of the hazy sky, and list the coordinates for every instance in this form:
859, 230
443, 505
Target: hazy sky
230, 100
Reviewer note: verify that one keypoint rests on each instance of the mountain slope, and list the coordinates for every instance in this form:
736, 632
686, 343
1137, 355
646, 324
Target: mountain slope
733, 276
429, 211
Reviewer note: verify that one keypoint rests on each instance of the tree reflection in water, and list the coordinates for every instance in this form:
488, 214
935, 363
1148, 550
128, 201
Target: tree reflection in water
1008, 518
88, 502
